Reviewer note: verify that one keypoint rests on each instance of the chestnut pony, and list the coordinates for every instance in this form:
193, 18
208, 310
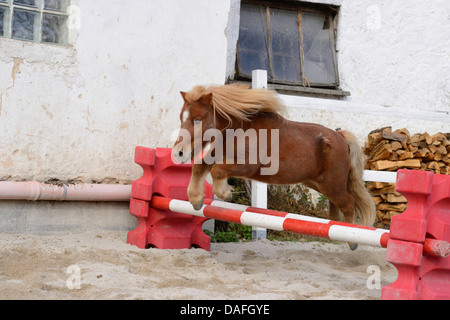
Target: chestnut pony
328, 161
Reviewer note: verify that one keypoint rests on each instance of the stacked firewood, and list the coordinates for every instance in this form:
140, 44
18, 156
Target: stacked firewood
389, 150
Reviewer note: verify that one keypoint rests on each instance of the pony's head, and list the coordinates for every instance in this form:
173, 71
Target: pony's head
219, 107
196, 117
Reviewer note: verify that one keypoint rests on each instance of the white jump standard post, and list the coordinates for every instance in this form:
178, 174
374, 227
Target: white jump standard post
259, 189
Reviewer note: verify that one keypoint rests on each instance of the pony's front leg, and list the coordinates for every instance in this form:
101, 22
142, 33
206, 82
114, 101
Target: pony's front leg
222, 189
220, 174
196, 188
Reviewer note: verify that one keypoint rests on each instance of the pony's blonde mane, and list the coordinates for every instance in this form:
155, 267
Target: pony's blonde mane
238, 101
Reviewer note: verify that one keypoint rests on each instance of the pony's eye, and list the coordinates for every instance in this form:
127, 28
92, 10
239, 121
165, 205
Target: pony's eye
197, 122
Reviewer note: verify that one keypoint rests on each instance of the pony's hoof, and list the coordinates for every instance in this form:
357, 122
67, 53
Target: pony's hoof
353, 246
228, 196
197, 206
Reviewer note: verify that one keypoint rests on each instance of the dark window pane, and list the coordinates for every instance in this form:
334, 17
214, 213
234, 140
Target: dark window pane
285, 45
25, 2
23, 25
253, 53
318, 49
2, 18
57, 5
52, 27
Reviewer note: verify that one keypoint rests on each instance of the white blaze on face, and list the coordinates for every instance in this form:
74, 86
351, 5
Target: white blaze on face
185, 116
182, 149
175, 136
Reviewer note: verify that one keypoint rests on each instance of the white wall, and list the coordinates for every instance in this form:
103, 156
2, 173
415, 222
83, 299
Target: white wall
394, 58
396, 53
79, 111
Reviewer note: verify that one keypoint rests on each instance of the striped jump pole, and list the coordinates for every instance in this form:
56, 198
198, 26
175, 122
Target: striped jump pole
282, 221
295, 216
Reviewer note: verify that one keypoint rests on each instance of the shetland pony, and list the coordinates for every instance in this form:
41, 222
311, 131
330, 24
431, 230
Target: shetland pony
328, 161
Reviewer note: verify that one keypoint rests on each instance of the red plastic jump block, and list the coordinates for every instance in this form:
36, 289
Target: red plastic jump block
159, 228
427, 215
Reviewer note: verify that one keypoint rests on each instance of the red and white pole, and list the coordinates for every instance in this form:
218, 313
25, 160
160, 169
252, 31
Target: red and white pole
282, 221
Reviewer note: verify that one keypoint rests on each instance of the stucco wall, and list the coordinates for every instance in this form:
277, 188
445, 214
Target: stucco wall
394, 58
77, 112
396, 53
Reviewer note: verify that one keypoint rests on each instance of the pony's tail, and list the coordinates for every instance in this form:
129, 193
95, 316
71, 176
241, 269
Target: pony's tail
364, 204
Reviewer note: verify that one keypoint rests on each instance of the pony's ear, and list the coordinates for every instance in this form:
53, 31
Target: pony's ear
183, 94
206, 99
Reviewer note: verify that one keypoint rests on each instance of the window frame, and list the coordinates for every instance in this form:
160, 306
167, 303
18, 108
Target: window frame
40, 11
304, 85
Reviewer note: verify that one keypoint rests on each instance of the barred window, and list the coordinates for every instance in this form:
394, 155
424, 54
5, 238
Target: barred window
295, 43
42, 21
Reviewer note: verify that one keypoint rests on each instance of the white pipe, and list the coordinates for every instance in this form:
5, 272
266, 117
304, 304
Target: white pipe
34, 190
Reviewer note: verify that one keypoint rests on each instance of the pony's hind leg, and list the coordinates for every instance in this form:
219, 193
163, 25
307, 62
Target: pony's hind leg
348, 210
343, 205
334, 213
346, 206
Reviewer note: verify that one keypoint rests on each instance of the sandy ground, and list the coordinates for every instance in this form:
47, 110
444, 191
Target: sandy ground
106, 267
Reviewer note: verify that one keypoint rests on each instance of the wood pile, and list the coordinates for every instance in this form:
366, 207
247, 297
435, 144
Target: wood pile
389, 150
